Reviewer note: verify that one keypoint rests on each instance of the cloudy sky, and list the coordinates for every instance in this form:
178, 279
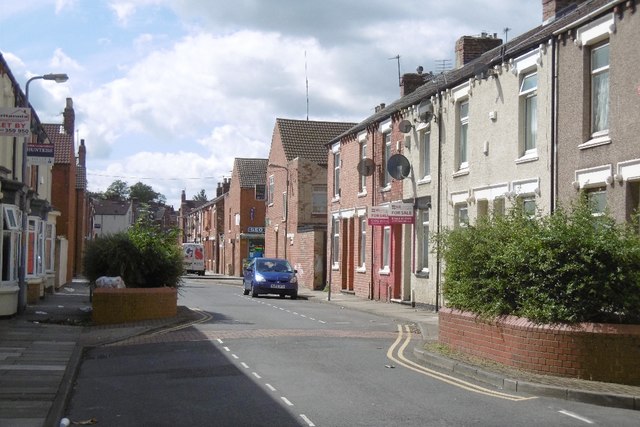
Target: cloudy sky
169, 92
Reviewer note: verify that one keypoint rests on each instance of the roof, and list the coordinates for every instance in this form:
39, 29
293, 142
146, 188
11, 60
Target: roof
251, 171
62, 141
110, 207
308, 139
518, 46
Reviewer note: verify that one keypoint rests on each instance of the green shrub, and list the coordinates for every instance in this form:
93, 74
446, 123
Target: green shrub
568, 267
145, 257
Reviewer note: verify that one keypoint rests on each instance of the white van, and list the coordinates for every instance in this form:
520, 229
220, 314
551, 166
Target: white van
193, 258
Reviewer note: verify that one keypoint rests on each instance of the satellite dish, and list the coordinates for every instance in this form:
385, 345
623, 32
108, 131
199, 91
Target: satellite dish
398, 166
425, 112
366, 167
405, 126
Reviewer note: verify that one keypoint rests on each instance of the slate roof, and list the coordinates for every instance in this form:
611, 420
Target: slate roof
308, 139
503, 53
63, 143
251, 171
110, 207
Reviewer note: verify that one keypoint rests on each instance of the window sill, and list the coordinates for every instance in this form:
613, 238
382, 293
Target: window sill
361, 270
335, 267
386, 188
528, 157
362, 194
385, 272
461, 172
335, 199
425, 180
422, 274
595, 142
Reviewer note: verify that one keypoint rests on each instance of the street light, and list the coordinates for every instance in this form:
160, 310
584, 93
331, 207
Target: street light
22, 272
286, 208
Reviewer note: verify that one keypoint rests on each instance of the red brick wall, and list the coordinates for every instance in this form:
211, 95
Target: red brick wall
112, 306
591, 351
307, 256
63, 198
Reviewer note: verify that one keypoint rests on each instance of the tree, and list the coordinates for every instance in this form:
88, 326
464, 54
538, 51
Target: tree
201, 196
145, 194
118, 190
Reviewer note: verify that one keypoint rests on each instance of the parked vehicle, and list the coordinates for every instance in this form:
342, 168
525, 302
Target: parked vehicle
270, 276
193, 258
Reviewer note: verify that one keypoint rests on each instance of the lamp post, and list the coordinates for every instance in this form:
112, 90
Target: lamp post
286, 208
22, 272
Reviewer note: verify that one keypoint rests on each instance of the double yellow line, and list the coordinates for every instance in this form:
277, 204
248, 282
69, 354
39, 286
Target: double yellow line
403, 361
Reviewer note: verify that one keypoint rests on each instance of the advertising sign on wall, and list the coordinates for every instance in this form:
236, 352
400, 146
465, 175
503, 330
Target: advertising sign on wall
14, 121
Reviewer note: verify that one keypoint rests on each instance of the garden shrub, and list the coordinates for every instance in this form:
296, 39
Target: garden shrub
567, 267
145, 257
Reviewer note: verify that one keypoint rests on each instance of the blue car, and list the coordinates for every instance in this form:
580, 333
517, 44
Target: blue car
270, 276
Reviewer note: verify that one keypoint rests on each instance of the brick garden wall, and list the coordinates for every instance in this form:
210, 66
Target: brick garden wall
111, 306
591, 351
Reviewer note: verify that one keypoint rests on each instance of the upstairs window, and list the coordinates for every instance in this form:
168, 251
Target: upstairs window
529, 107
319, 199
271, 190
336, 174
386, 180
600, 89
425, 155
463, 126
363, 156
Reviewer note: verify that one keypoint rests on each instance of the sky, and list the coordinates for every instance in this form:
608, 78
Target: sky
169, 92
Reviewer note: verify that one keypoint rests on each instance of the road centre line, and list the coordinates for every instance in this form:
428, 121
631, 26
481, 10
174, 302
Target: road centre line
307, 420
244, 365
402, 360
576, 416
270, 387
255, 374
285, 400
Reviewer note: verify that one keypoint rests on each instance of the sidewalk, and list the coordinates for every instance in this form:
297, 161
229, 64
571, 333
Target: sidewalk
41, 350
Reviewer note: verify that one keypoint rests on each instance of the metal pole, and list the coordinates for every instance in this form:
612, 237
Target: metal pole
22, 271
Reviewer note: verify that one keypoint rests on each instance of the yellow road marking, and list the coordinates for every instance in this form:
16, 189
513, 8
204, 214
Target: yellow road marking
402, 360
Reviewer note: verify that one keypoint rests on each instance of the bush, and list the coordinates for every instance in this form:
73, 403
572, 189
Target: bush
568, 267
145, 257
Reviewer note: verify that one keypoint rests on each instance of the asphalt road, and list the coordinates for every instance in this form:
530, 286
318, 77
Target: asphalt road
278, 362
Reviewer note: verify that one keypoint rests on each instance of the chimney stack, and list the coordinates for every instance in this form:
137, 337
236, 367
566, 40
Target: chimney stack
69, 118
469, 48
552, 9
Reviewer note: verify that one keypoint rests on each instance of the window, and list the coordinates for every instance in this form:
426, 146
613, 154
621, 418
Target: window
363, 242
498, 207
528, 105
336, 174
319, 199
271, 190
529, 206
335, 244
597, 198
11, 236
423, 260
425, 159
463, 155
363, 156
49, 247
386, 180
285, 206
386, 248
461, 216
600, 89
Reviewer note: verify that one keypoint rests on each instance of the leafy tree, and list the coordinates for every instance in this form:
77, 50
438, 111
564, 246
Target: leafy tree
201, 196
118, 190
145, 194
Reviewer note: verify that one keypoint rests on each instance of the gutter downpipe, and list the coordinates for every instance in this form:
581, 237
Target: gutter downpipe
439, 204
373, 201
554, 125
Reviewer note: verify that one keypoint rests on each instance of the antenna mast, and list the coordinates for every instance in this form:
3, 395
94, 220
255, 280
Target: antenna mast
306, 79
397, 58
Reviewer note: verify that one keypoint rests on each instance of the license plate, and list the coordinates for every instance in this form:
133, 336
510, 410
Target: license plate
278, 286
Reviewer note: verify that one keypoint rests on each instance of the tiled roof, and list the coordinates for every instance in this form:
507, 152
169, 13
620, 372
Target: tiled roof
81, 178
110, 207
251, 171
63, 143
514, 48
308, 139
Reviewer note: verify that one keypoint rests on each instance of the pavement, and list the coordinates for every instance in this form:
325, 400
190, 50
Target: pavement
41, 351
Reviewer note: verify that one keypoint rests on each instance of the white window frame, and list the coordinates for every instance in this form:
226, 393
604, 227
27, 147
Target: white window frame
599, 196
362, 188
335, 230
463, 135
529, 205
319, 199
386, 180
599, 129
425, 155
423, 255
271, 190
285, 206
11, 243
50, 247
528, 107
336, 174
362, 249
461, 215
386, 249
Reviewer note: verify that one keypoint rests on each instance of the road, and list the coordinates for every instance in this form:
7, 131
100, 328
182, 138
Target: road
280, 362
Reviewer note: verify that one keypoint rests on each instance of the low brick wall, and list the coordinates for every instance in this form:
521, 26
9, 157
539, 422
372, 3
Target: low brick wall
111, 306
591, 351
